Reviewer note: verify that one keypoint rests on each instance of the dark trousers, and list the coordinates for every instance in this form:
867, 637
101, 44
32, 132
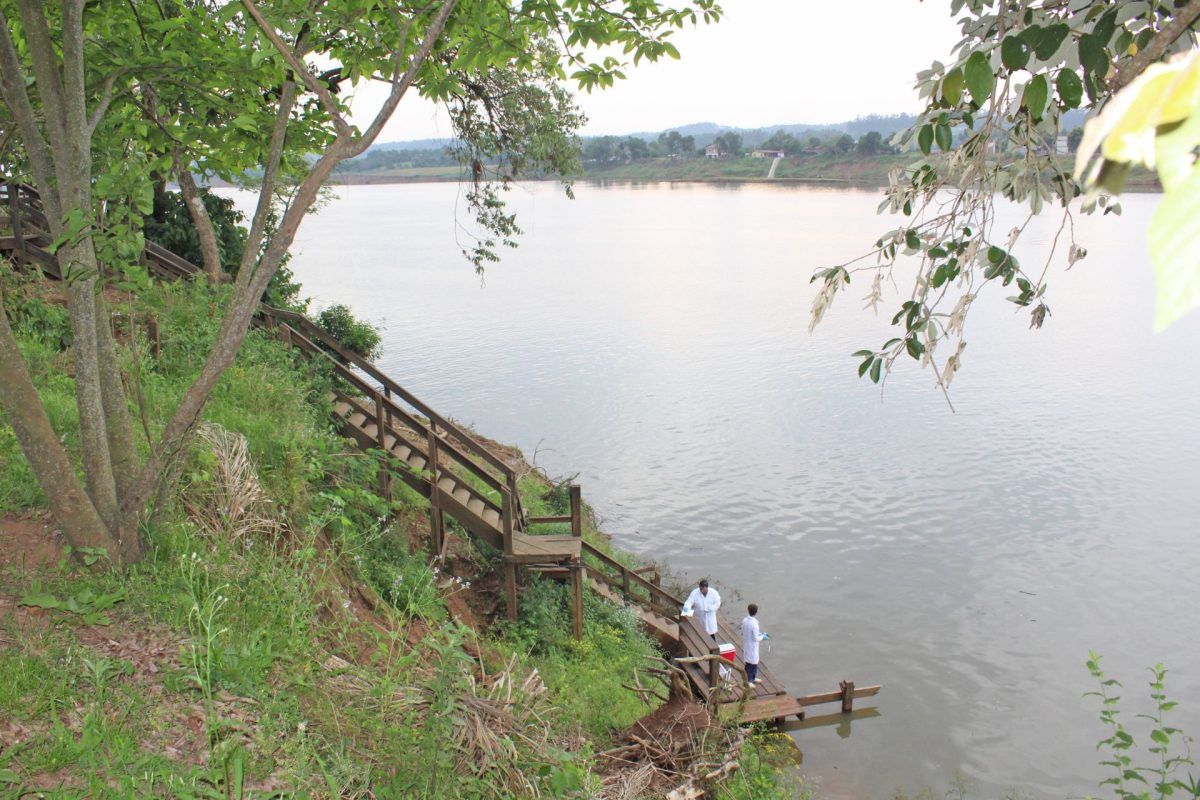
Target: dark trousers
751, 672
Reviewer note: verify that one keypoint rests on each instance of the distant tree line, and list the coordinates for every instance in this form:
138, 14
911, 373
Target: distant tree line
621, 149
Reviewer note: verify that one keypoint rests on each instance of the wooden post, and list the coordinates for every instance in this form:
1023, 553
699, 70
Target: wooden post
625, 582
14, 215
576, 510
152, 335
510, 589
847, 696
508, 501
437, 517
385, 478
714, 671
437, 529
577, 578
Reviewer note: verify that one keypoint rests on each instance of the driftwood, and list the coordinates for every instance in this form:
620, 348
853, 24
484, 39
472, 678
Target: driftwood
675, 766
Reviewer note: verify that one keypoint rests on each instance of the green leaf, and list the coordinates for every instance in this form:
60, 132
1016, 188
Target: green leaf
1070, 88
912, 239
1174, 242
925, 138
1160, 736
952, 87
1045, 41
1014, 52
865, 365
1034, 96
914, 347
1175, 147
995, 255
945, 139
1093, 55
979, 77
876, 370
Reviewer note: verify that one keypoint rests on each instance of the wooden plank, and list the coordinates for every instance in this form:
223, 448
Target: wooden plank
836, 697
761, 709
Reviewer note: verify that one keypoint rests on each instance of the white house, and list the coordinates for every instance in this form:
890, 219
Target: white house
712, 151
766, 154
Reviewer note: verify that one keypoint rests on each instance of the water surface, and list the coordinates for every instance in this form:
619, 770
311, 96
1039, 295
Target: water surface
652, 339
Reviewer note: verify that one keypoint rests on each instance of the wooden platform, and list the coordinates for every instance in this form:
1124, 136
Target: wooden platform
532, 549
768, 695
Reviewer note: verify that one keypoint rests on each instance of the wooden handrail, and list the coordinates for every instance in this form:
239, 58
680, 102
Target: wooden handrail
312, 330
654, 591
302, 342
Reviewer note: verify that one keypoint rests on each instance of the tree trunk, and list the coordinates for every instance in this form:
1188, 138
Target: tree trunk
118, 425
70, 504
89, 399
204, 226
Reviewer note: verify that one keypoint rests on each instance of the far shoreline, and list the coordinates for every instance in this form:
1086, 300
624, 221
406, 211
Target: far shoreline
1137, 185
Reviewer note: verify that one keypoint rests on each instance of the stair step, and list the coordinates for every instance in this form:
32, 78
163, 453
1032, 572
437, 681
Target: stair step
371, 430
342, 409
476, 505
357, 419
462, 494
403, 452
491, 516
447, 484
389, 442
417, 461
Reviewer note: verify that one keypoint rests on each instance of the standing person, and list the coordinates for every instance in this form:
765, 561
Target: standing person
706, 601
751, 636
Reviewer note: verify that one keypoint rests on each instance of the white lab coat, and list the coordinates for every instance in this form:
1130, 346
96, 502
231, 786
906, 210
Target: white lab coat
751, 636
706, 605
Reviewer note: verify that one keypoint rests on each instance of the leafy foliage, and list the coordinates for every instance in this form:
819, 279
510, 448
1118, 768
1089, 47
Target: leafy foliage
991, 129
361, 337
1168, 745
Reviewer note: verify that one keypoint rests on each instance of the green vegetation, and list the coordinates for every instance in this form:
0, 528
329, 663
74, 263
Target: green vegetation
286, 634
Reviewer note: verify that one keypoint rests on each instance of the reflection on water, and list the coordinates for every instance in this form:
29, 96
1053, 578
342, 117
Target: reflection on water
653, 339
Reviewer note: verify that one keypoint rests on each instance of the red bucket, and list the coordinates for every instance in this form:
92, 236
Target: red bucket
727, 651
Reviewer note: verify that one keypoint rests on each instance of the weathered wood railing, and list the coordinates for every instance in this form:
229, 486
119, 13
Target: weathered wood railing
437, 440
631, 583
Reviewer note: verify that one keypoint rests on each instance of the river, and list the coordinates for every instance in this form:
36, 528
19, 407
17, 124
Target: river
652, 339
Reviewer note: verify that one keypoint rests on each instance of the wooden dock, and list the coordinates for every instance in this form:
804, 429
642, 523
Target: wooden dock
464, 479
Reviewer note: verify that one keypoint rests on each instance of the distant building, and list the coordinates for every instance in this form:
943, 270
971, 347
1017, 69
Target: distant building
766, 154
1061, 146
712, 151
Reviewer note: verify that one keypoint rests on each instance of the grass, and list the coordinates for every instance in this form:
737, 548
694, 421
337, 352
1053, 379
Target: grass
235, 663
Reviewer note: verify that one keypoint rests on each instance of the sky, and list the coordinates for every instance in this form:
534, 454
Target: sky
766, 62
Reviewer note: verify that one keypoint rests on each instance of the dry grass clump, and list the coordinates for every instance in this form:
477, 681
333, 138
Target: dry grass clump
231, 503
500, 721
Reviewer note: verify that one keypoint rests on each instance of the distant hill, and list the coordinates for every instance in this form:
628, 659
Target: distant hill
705, 132
702, 132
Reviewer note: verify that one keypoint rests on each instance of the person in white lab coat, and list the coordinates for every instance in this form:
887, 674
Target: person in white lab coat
706, 601
751, 636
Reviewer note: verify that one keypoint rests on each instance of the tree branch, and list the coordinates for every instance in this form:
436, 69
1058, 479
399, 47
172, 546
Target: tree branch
298, 66
1178, 26
16, 95
401, 81
105, 100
